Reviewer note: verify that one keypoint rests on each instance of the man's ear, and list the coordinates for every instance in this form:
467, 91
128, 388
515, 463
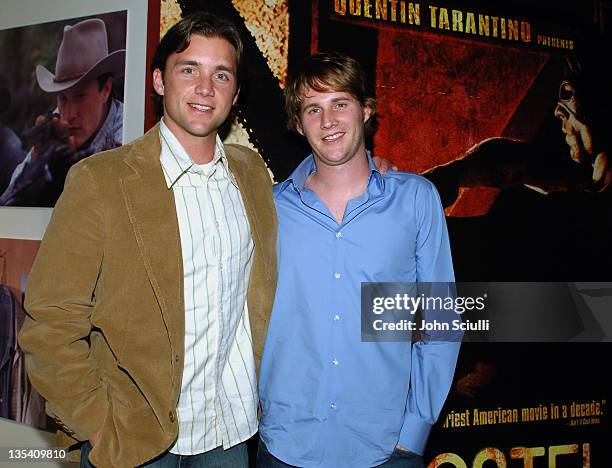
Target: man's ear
367, 113
107, 89
298, 127
158, 81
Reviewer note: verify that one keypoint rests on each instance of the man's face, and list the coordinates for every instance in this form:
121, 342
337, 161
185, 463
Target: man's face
199, 87
333, 124
577, 133
84, 108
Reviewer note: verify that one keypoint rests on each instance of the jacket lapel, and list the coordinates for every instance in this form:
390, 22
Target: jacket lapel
240, 173
152, 211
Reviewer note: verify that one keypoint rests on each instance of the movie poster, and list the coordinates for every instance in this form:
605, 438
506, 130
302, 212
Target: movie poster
61, 100
19, 401
504, 106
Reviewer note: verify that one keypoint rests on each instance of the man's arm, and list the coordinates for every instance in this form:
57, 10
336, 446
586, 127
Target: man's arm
8, 193
435, 355
60, 298
48, 135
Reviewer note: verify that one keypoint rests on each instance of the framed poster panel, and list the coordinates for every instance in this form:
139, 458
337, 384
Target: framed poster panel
45, 72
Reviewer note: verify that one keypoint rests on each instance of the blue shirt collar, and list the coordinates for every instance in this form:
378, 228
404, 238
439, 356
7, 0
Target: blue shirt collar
299, 176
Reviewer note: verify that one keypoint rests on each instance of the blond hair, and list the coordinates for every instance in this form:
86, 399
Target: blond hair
326, 72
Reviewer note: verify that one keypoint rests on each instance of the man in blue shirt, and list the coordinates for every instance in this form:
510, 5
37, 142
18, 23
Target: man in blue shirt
329, 399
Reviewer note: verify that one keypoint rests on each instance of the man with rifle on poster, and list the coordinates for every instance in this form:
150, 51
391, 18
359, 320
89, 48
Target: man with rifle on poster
87, 119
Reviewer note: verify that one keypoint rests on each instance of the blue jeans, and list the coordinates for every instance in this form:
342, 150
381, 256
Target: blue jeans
399, 459
235, 457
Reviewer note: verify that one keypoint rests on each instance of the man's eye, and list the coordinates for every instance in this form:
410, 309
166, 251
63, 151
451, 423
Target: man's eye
221, 77
313, 110
187, 71
340, 105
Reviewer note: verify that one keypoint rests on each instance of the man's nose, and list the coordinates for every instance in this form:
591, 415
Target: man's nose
69, 111
561, 112
328, 120
205, 86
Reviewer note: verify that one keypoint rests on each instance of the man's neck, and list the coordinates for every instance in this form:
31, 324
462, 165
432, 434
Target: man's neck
336, 185
201, 150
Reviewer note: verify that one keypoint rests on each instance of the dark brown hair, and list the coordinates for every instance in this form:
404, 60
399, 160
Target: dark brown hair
177, 39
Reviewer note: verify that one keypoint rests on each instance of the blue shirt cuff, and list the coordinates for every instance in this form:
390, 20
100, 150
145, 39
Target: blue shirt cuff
414, 434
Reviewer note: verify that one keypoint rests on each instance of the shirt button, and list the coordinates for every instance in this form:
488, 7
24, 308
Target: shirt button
171, 415
176, 358
336, 317
332, 405
338, 235
334, 362
337, 276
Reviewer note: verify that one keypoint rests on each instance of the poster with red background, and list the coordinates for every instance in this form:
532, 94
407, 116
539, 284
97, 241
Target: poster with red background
471, 95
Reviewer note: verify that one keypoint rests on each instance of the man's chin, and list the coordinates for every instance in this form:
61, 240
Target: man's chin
78, 142
200, 132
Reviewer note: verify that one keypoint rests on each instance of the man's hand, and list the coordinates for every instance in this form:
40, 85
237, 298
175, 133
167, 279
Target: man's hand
93, 440
602, 173
49, 132
383, 165
401, 449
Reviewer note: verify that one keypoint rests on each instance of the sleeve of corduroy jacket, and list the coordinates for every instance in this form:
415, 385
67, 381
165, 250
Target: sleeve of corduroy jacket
59, 299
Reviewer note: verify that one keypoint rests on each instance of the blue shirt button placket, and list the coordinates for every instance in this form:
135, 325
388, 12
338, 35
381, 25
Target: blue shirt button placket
333, 359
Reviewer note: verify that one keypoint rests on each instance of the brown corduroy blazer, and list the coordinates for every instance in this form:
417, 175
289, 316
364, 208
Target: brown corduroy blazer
104, 336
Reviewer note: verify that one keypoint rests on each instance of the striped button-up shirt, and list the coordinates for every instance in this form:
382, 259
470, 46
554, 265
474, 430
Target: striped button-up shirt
218, 400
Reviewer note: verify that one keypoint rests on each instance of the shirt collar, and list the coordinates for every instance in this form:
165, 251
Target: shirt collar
106, 131
299, 176
176, 162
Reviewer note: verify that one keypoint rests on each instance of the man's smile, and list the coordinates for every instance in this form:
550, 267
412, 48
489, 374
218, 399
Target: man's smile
200, 107
333, 136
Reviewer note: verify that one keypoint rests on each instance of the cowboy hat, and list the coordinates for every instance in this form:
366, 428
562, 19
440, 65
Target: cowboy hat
82, 56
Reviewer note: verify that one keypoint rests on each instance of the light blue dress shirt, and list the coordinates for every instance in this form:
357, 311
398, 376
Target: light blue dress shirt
329, 399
